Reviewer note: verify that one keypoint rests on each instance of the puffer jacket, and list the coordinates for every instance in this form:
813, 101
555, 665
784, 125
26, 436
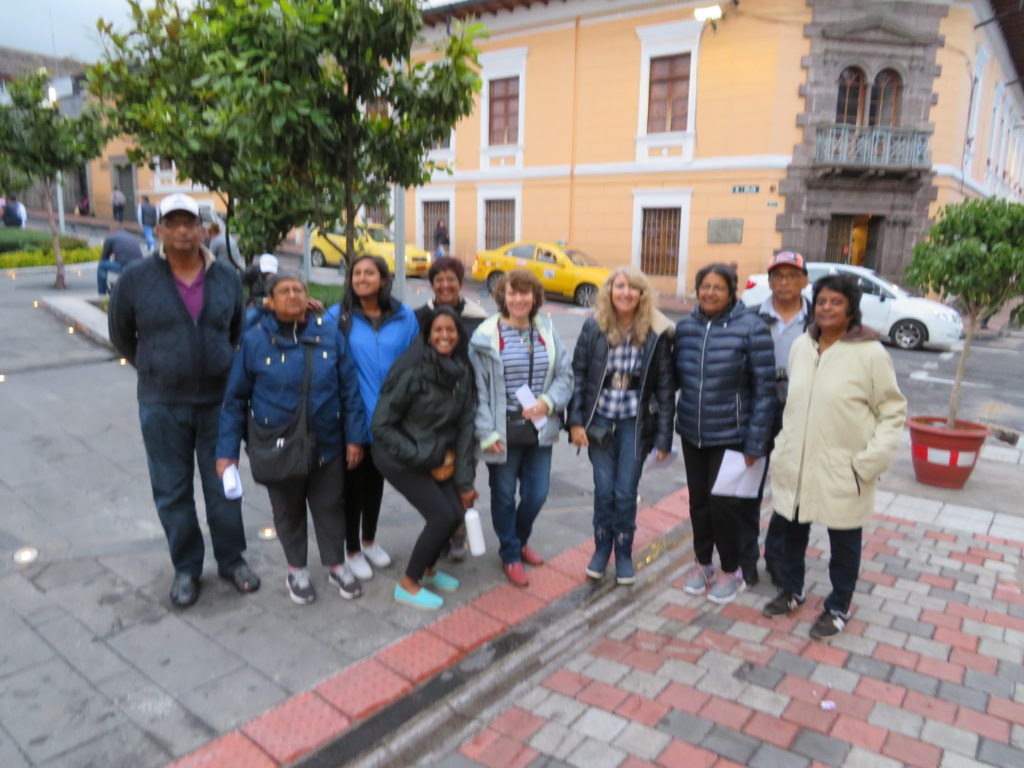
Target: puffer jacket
725, 371
485, 355
657, 384
842, 425
426, 406
266, 378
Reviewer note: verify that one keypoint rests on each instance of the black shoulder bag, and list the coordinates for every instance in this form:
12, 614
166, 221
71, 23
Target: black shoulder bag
284, 453
519, 430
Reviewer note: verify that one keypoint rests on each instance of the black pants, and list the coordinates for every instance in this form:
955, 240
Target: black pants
364, 489
843, 564
750, 511
438, 503
322, 490
719, 522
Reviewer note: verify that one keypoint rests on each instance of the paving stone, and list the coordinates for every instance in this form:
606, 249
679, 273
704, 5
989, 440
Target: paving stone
759, 675
596, 754
791, 664
606, 671
598, 724
949, 737
124, 747
898, 720
915, 681
1008, 671
858, 757
958, 575
982, 630
966, 697
721, 684
541, 761
820, 748
854, 644
749, 632
1002, 755
22, 647
949, 595
902, 609
927, 647
730, 743
1001, 650
911, 627
720, 662
645, 683
642, 741
865, 665
682, 671
768, 756
560, 709
835, 677
685, 727
10, 755
996, 685
714, 621
953, 760
556, 739
767, 701
234, 698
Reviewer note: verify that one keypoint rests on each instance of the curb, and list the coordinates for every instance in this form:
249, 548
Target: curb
65, 316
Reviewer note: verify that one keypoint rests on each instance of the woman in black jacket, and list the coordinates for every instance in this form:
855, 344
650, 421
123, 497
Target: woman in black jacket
725, 370
621, 407
423, 445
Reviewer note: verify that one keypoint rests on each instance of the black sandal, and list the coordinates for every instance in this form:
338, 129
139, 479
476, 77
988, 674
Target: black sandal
243, 578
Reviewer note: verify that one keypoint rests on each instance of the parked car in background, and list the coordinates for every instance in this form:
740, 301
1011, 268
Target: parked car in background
909, 322
561, 270
328, 248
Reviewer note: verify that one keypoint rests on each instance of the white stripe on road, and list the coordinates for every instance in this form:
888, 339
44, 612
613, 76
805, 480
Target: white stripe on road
925, 376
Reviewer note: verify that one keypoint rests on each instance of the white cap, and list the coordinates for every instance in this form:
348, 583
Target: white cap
178, 202
268, 263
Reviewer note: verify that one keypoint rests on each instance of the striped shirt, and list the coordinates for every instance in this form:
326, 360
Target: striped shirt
515, 357
625, 359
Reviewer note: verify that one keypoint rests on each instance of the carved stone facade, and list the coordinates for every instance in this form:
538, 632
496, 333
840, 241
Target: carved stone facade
826, 198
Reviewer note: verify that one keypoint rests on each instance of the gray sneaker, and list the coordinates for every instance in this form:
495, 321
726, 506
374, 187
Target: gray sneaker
346, 582
698, 578
300, 590
726, 588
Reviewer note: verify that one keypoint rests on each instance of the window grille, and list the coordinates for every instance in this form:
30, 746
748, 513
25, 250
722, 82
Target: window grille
669, 93
504, 111
850, 105
659, 244
433, 211
499, 223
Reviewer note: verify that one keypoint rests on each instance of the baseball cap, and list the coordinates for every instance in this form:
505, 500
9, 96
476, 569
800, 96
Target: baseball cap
788, 259
268, 263
178, 202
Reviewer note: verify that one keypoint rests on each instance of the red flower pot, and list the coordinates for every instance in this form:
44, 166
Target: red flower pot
942, 456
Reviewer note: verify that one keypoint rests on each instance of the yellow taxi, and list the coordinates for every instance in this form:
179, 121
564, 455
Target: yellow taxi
561, 270
328, 248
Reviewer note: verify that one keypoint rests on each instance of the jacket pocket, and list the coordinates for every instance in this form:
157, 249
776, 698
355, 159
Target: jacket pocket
843, 482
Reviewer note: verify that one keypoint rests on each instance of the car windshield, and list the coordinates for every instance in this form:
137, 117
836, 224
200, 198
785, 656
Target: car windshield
380, 235
579, 258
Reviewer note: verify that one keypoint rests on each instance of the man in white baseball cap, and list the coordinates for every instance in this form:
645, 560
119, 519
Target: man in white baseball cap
177, 317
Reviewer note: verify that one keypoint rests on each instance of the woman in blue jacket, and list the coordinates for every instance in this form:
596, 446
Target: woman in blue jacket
267, 378
379, 328
725, 372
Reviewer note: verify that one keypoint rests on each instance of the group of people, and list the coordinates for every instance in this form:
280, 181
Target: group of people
422, 399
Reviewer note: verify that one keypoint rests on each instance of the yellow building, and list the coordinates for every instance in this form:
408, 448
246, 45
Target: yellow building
641, 134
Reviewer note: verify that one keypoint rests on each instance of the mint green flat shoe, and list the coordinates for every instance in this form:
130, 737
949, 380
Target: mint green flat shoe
424, 600
441, 580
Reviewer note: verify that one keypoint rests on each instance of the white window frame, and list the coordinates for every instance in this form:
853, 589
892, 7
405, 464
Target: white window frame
971, 149
659, 40
444, 155
663, 198
497, 192
497, 65
164, 181
435, 194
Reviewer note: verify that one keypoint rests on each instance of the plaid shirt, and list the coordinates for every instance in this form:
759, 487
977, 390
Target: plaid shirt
624, 359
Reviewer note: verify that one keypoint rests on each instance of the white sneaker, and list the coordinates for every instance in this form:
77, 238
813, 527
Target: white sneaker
375, 554
359, 567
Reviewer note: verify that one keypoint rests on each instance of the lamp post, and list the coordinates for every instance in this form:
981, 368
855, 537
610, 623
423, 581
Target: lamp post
52, 94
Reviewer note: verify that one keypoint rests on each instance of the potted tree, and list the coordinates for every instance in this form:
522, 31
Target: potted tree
974, 254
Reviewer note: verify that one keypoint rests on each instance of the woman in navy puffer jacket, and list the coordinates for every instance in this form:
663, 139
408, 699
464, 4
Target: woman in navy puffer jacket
725, 371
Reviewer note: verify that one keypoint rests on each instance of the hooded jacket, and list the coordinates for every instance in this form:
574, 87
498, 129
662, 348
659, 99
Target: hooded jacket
725, 371
485, 355
842, 424
657, 385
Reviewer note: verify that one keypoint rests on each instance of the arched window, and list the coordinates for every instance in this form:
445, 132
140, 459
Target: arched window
885, 99
850, 105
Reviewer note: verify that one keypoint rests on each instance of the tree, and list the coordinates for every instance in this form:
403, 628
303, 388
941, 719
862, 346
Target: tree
974, 254
37, 141
275, 103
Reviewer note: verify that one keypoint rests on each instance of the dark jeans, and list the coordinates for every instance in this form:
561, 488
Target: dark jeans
718, 522
843, 564
322, 489
616, 477
438, 503
530, 469
364, 489
175, 437
105, 266
118, 212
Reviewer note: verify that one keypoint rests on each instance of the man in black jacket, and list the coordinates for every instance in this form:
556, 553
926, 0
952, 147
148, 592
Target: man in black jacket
177, 317
120, 248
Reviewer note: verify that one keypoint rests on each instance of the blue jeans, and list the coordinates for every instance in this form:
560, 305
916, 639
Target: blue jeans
105, 266
175, 436
616, 476
843, 562
147, 233
513, 523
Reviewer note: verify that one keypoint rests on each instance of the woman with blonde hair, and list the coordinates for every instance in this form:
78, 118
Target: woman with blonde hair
621, 407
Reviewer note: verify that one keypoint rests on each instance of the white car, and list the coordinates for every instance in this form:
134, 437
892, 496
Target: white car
908, 321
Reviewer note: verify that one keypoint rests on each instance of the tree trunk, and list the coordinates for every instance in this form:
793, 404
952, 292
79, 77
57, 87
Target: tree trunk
51, 217
961, 368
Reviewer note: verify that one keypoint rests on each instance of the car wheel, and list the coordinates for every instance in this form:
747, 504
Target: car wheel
317, 257
492, 281
908, 334
585, 295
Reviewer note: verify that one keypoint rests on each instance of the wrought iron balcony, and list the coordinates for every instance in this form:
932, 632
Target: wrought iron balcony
871, 147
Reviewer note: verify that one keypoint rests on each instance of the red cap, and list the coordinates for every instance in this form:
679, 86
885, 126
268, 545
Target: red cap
788, 259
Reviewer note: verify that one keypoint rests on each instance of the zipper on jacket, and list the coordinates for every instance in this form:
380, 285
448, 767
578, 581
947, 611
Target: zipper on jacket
738, 411
700, 389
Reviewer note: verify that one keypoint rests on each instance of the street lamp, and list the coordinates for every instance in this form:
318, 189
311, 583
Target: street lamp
51, 94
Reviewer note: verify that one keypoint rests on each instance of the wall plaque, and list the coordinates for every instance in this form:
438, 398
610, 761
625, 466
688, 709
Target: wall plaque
725, 230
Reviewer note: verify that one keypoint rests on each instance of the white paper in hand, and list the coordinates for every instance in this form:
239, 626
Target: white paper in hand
736, 479
527, 399
232, 483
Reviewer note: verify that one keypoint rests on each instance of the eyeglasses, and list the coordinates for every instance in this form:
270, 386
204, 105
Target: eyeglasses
786, 277
706, 288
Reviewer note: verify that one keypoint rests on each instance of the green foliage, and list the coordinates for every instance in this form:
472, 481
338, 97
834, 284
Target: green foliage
34, 240
17, 259
272, 102
326, 294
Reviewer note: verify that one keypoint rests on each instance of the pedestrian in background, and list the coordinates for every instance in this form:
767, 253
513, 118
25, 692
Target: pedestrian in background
14, 213
725, 371
423, 445
120, 248
441, 239
622, 407
146, 215
117, 203
254, 280
842, 425
224, 248
509, 350
267, 380
379, 328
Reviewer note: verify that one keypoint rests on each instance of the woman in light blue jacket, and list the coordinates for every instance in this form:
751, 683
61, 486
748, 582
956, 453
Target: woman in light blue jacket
510, 350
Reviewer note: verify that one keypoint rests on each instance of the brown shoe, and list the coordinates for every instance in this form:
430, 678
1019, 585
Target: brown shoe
516, 574
531, 556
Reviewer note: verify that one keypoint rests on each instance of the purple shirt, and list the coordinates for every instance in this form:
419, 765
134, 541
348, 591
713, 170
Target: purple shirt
192, 295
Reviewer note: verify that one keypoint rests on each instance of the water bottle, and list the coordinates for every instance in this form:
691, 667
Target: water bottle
475, 533
232, 483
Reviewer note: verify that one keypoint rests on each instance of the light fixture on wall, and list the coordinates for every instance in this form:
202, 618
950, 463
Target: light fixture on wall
711, 13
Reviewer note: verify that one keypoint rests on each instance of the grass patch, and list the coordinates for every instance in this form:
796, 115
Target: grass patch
16, 259
328, 294
15, 239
